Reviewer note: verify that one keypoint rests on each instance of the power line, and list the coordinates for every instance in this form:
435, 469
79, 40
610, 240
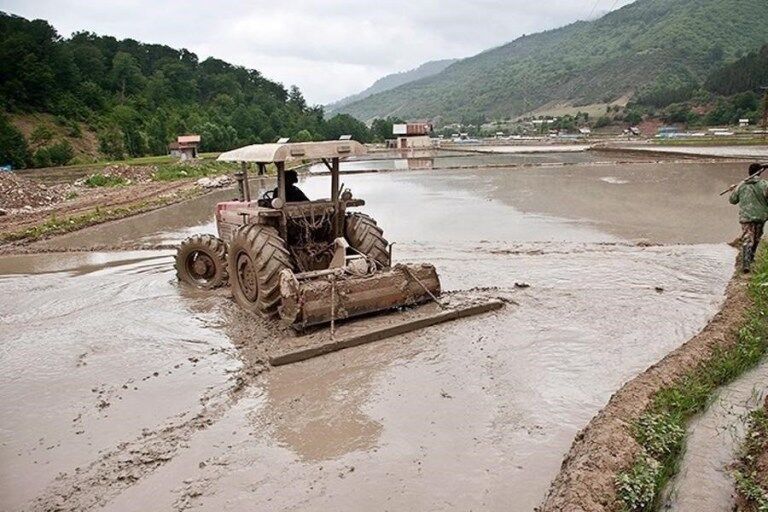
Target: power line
594, 6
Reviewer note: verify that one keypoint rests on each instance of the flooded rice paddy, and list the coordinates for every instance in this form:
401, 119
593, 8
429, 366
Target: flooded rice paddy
123, 391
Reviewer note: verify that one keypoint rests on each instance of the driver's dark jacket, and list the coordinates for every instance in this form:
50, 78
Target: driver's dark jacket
293, 194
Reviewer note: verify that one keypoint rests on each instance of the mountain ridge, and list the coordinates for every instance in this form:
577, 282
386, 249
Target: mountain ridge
393, 80
646, 44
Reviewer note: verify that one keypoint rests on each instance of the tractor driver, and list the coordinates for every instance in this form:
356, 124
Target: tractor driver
293, 194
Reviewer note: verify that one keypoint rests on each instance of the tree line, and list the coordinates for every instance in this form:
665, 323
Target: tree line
138, 97
729, 93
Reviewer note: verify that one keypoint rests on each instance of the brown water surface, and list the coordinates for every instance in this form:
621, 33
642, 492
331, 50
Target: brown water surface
122, 390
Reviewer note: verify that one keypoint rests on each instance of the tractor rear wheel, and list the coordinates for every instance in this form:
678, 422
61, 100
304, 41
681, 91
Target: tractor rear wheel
365, 236
201, 261
256, 257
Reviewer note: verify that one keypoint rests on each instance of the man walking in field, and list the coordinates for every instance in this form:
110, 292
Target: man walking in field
752, 197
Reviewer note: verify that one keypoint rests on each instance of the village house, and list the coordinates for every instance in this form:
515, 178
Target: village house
412, 135
185, 147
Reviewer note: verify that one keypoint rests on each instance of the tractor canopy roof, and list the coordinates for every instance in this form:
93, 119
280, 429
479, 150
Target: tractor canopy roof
269, 153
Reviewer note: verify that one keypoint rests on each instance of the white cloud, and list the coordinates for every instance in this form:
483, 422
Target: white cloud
329, 49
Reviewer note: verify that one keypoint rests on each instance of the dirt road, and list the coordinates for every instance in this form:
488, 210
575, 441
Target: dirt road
122, 390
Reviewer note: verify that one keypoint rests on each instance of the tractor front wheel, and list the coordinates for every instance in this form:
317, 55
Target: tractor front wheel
256, 257
365, 236
201, 261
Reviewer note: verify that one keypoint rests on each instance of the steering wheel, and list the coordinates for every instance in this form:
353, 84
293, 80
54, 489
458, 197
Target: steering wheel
268, 195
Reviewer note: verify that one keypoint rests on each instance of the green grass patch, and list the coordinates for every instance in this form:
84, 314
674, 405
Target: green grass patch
661, 430
755, 443
100, 180
177, 171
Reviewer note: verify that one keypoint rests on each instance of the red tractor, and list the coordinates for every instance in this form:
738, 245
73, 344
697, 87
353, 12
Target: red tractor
308, 262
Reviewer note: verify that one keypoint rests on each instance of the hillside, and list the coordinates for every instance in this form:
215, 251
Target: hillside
645, 45
93, 97
394, 80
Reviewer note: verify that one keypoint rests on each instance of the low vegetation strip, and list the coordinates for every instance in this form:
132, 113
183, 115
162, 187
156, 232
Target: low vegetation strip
751, 472
622, 459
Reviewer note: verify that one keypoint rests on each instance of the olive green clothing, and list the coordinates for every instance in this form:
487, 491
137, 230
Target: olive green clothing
752, 198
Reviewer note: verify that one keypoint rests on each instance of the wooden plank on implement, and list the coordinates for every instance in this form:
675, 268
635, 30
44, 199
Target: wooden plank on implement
303, 353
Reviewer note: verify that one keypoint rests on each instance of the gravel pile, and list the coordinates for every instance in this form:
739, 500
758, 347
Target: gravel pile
17, 192
127, 173
131, 173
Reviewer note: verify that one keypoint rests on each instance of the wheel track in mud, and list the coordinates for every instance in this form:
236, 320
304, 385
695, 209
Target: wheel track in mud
114, 471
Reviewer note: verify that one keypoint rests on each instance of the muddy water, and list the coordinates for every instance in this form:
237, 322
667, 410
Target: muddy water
121, 389
451, 159
661, 203
704, 481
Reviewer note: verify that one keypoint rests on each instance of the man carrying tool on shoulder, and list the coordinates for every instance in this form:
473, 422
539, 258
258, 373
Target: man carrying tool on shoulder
752, 197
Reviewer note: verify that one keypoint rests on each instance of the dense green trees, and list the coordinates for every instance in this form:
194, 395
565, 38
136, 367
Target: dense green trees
381, 129
13, 147
746, 74
729, 93
138, 97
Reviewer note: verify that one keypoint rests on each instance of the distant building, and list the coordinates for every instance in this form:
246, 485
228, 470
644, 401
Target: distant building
743, 123
185, 147
585, 131
668, 132
412, 135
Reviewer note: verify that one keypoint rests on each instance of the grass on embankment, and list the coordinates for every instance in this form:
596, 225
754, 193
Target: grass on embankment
750, 471
661, 430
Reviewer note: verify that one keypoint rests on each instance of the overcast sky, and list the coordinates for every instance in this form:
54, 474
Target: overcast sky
329, 48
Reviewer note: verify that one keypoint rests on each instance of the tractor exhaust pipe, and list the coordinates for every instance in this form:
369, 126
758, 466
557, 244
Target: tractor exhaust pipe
243, 187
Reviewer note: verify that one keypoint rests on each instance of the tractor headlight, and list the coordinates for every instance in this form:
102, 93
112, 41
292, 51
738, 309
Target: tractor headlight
277, 203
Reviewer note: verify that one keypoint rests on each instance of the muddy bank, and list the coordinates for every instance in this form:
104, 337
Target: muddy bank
730, 152
606, 446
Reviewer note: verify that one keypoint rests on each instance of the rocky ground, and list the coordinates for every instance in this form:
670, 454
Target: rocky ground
31, 209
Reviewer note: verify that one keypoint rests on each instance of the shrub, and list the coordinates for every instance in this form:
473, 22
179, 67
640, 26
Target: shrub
61, 152
602, 122
111, 143
660, 434
100, 180
42, 134
637, 487
41, 158
13, 146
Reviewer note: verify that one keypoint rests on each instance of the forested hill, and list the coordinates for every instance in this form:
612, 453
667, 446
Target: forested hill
394, 80
650, 44
134, 98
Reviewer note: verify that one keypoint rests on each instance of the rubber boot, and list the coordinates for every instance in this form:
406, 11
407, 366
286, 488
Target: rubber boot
746, 259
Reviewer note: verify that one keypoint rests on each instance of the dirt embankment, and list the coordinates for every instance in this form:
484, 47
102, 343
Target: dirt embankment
35, 208
31, 209
606, 446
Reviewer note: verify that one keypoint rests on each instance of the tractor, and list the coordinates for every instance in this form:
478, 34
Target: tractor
306, 262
